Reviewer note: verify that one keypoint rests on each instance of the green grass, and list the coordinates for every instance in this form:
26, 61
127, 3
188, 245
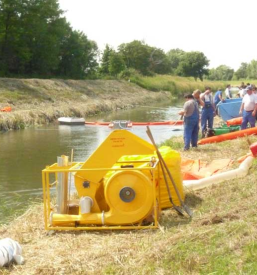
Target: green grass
180, 85
175, 143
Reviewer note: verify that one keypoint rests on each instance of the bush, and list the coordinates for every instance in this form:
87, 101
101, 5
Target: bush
128, 73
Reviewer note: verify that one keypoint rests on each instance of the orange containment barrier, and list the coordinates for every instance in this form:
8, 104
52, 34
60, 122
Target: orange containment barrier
178, 122
235, 121
6, 109
97, 123
229, 136
198, 169
170, 122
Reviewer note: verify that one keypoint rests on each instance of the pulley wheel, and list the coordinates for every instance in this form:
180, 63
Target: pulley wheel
127, 194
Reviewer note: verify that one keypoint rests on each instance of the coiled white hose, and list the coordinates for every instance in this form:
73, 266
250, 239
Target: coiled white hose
240, 172
10, 251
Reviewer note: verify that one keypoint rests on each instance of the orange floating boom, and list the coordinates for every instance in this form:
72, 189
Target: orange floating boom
177, 122
97, 123
6, 109
229, 136
235, 121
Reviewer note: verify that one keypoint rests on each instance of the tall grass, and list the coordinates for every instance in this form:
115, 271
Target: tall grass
179, 85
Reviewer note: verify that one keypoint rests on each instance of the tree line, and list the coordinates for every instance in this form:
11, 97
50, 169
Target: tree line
37, 41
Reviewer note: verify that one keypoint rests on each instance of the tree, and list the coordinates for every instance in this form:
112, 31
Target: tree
78, 56
44, 29
193, 64
158, 61
34, 41
116, 64
174, 57
225, 72
30, 35
10, 36
252, 70
242, 71
104, 67
222, 72
136, 54
212, 75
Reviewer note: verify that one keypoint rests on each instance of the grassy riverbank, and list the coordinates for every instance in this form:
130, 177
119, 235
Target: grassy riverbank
178, 86
220, 239
37, 101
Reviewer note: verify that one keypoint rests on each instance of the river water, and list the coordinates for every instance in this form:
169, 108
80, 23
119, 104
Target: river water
25, 153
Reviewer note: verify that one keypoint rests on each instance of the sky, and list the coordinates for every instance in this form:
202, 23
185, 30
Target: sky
224, 30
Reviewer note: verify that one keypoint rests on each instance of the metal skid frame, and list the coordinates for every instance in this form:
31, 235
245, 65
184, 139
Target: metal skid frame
75, 167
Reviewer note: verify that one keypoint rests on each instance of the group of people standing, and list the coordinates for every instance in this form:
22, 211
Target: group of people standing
208, 103
191, 115
243, 89
219, 97
248, 108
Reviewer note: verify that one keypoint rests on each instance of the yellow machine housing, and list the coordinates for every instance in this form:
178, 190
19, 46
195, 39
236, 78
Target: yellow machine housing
118, 187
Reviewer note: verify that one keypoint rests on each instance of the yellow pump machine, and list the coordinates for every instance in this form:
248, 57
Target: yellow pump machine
120, 186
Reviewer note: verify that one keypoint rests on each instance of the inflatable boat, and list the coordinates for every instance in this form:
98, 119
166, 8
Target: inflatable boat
71, 121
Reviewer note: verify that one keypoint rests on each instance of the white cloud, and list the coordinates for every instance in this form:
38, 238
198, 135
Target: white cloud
221, 29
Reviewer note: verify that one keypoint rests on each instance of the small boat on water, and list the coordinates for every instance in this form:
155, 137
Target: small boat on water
229, 108
71, 121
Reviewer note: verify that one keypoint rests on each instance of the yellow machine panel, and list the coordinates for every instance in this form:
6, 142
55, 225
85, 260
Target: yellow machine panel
118, 187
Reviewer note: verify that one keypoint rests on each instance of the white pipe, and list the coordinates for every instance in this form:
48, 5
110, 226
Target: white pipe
241, 171
85, 205
62, 187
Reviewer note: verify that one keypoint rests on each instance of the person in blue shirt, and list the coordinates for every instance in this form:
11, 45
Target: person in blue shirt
218, 98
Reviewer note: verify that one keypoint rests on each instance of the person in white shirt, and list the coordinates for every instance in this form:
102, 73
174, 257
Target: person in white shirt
242, 91
248, 108
228, 93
